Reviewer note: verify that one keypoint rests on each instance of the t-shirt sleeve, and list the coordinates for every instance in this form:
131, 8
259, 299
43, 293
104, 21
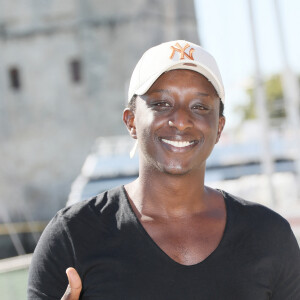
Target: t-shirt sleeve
54, 253
287, 285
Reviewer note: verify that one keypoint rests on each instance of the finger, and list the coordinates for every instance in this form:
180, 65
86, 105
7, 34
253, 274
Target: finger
74, 287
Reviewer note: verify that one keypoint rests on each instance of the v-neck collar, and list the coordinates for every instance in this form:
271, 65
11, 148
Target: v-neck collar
162, 253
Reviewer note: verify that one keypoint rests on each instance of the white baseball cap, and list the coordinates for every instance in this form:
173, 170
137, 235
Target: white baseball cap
173, 55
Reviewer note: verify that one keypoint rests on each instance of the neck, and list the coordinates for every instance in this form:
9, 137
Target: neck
166, 195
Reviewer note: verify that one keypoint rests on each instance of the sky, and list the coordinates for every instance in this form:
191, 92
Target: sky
224, 30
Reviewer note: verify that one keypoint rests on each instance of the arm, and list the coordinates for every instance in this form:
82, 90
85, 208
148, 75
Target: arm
52, 256
287, 285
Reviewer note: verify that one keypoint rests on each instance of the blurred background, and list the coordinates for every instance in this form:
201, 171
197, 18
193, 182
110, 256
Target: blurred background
64, 73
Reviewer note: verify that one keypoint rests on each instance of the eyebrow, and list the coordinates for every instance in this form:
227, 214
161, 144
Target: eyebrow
202, 94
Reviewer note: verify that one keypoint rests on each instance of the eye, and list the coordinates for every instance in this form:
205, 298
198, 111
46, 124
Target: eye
199, 107
161, 104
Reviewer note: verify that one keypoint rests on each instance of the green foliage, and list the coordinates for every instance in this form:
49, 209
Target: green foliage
274, 96
274, 93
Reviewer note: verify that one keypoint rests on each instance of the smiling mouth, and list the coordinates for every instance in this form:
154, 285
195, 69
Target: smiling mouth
178, 144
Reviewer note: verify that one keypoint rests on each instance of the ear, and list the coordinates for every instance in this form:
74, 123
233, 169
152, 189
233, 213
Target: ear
220, 127
128, 119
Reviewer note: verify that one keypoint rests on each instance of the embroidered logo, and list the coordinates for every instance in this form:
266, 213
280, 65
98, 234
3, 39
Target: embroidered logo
182, 51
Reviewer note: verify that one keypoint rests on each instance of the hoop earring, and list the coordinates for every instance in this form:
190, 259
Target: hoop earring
133, 150
171, 124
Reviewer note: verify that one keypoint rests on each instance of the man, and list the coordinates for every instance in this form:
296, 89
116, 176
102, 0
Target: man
167, 235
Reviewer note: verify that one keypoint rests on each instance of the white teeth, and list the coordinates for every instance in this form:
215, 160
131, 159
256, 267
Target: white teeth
177, 143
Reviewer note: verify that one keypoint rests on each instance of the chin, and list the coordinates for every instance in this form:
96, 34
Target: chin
174, 169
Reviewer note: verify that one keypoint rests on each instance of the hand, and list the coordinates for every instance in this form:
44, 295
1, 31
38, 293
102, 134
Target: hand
74, 287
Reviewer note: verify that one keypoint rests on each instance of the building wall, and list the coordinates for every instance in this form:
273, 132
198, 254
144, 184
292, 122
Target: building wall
48, 125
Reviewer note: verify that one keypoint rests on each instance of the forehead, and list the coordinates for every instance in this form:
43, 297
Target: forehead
182, 79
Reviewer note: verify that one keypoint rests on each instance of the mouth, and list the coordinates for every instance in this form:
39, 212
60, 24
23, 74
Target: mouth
179, 144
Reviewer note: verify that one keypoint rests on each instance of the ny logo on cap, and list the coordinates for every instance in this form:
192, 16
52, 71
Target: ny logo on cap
182, 51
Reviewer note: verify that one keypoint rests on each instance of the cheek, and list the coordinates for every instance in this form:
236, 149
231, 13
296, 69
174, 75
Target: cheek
147, 123
210, 129
209, 124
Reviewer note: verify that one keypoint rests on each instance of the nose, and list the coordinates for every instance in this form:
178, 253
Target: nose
180, 120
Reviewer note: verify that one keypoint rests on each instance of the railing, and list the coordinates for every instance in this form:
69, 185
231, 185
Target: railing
19, 238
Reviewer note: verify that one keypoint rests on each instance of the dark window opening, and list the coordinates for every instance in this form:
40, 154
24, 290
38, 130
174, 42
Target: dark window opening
75, 68
14, 78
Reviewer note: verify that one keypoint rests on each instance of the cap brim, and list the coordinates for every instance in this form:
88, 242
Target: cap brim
188, 65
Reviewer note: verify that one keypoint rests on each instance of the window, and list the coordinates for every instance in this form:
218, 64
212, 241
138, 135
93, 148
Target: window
14, 78
75, 70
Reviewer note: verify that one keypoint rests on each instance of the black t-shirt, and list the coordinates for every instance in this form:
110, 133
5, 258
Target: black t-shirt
257, 258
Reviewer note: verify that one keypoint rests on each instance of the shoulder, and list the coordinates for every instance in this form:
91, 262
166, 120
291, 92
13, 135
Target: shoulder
267, 240
93, 215
106, 203
252, 209
252, 215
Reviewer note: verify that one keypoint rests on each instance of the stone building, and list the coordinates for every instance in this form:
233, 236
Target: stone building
64, 72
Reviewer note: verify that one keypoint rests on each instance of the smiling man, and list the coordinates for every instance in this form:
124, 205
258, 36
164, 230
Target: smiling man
167, 235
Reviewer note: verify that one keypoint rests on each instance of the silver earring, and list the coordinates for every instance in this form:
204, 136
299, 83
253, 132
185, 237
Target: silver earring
133, 150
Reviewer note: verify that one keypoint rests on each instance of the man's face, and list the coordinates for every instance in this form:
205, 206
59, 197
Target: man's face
177, 122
